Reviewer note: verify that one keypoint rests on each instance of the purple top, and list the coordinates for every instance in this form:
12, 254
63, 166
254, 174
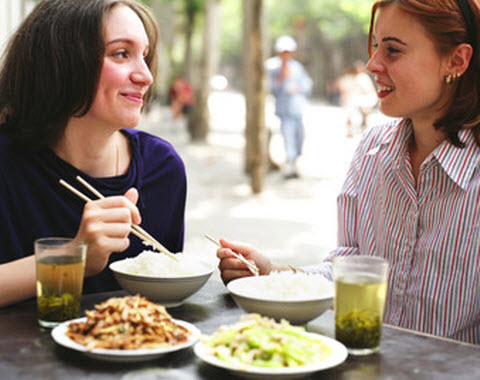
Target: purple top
34, 204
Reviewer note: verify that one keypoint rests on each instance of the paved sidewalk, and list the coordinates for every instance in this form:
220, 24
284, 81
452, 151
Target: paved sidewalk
292, 221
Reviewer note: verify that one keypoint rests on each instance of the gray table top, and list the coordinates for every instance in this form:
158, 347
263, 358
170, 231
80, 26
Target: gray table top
27, 351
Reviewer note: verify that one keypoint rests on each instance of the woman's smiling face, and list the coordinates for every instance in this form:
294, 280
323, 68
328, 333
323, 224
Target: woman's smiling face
408, 69
125, 76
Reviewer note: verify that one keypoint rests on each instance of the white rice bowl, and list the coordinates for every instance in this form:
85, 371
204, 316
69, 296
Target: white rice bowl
288, 286
160, 278
297, 297
156, 264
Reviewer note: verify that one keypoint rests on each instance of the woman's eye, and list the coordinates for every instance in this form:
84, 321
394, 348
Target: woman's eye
121, 54
392, 50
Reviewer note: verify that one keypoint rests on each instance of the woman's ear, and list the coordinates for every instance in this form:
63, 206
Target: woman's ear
459, 59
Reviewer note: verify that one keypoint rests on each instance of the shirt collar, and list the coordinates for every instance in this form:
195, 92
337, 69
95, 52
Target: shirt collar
393, 139
458, 163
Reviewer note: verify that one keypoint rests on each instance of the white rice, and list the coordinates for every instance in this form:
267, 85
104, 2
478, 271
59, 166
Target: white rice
150, 263
288, 286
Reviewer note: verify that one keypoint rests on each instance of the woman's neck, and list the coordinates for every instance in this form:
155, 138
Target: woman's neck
425, 138
96, 154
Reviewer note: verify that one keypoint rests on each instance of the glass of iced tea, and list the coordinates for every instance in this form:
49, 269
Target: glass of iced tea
60, 267
360, 292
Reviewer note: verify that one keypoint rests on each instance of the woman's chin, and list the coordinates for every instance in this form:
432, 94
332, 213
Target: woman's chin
389, 111
131, 122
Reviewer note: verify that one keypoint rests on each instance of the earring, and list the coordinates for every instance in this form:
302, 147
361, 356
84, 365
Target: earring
451, 78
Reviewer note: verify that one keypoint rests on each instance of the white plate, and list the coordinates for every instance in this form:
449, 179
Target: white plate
59, 335
338, 356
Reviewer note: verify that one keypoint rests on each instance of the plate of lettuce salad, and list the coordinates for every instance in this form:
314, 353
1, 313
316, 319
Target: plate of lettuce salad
260, 347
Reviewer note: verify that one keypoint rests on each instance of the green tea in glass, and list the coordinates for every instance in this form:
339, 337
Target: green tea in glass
360, 292
60, 268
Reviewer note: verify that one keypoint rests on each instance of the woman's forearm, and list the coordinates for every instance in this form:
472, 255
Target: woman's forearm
17, 280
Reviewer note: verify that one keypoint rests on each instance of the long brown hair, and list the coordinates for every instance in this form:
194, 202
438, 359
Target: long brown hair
447, 27
51, 67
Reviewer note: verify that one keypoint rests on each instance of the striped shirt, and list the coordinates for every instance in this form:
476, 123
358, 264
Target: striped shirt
429, 233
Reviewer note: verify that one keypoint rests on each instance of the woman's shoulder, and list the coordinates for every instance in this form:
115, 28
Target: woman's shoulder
6, 148
148, 141
5, 140
380, 134
152, 148
9, 159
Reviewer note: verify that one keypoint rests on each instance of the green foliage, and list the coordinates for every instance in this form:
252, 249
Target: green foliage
231, 36
326, 26
336, 19
193, 6
187, 6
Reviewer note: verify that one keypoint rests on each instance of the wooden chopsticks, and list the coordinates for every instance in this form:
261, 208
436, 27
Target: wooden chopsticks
251, 267
136, 229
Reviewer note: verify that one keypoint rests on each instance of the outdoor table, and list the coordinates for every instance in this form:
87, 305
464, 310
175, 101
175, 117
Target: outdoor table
27, 351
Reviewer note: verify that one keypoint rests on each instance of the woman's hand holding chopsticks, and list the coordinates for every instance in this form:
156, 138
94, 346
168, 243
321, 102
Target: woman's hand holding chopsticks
232, 268
105, 226
131, 195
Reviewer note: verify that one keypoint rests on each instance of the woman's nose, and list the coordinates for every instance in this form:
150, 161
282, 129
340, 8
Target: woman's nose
374, 65
141, 73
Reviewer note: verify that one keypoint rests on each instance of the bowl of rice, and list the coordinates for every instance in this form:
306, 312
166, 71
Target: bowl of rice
297, 297
160, 278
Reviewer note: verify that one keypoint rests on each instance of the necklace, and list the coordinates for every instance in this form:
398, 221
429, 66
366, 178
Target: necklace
117, 161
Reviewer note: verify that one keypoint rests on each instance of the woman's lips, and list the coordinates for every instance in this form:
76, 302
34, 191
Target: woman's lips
384, 91
137, 98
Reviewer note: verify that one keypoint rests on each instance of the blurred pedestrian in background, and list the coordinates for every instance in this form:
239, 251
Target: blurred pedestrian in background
290, 84
180, 97
358, 96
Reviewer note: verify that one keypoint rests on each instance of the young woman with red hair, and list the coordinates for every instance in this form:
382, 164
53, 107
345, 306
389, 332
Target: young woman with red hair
412, 193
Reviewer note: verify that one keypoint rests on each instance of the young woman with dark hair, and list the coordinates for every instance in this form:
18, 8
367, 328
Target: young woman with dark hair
73, 82
412, 193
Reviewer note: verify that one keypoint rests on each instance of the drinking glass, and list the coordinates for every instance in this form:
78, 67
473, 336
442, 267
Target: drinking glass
360, 292
60, 268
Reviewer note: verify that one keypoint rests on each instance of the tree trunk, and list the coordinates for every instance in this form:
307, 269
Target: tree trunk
164, 14
198, 122
188, 64
254, 79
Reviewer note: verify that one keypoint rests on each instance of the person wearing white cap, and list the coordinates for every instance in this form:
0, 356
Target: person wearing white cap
290, 84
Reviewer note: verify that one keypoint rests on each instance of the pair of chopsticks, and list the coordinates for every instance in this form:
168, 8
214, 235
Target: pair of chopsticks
251, 267
136, 229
